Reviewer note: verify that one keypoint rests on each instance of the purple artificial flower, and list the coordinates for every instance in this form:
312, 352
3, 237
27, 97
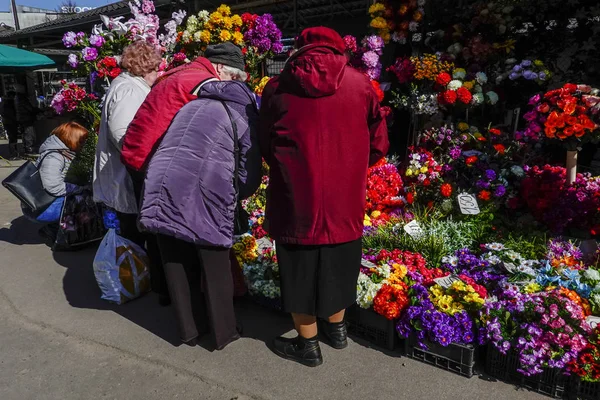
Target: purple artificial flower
374, 73
73, 60
97, 40
526, 63
370, 59
542, 75
89, 54
517, 68
500, 191
69, 39
490, 174
374, 43
514, 76
535, 99
530, 75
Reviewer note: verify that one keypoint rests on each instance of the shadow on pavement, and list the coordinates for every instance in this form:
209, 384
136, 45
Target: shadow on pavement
81, 291
21, 232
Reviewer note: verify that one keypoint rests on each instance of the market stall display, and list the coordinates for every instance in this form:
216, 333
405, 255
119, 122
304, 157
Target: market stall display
477, 244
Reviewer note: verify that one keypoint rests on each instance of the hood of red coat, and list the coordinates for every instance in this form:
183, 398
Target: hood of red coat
314, 71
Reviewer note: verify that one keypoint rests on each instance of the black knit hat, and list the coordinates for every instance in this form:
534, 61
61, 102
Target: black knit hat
227, 54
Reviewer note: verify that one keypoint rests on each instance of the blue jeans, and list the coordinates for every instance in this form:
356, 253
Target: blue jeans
52, 213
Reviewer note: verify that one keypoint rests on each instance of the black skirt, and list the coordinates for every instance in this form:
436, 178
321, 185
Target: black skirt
319, 280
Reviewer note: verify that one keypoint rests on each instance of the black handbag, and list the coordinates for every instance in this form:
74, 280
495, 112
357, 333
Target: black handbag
241, 219
26, 184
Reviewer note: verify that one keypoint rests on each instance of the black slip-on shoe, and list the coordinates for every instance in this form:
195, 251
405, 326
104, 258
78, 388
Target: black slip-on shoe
301, 350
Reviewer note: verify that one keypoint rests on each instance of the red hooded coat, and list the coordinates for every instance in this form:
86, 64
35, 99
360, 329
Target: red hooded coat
321, 128
170, 93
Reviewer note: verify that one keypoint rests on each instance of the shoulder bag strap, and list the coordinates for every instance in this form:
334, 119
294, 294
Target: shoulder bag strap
236, 150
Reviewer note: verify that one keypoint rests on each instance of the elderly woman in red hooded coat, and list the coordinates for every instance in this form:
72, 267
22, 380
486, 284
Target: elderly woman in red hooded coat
321, 128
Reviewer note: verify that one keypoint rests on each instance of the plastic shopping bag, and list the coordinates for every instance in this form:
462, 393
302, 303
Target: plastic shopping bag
121, 269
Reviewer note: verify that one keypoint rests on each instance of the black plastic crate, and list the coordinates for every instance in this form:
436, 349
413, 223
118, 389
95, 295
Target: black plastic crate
580, 390
372, 327
273, 304
456, 358
551, 382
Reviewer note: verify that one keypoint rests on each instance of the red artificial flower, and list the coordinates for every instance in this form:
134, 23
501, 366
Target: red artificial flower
464, 95
500, 148
390, 302
595, 230
446, 190
495, 131
410, 198
449, 97
543, 108
484, 195
443, 79
471, 160
377, 87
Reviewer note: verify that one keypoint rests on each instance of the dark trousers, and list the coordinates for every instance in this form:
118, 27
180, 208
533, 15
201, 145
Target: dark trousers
201, 289
129, 230
13, 136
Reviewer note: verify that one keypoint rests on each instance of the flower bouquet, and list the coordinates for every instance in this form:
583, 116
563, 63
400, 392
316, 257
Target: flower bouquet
384, 192
565, 115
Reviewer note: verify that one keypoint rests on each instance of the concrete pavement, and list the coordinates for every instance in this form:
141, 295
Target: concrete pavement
59, 340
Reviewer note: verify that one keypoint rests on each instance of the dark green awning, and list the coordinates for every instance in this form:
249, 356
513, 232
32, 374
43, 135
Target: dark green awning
14, 58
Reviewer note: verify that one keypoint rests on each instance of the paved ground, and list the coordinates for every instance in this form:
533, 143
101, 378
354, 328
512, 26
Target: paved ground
58, 340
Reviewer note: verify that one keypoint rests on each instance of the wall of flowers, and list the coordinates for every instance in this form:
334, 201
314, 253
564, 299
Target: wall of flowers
484, 232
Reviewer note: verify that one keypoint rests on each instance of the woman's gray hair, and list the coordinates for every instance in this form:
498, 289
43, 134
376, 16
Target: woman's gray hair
237, 74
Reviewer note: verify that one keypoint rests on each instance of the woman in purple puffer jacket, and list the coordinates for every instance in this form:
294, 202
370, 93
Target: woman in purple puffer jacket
189, 201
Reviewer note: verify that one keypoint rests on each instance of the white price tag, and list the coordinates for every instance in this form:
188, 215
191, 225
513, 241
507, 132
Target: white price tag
368, 264
593, 321
446, 281
468, 204
414, 229
510, 267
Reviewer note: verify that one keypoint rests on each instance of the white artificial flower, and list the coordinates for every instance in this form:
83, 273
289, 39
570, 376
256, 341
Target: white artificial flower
592, 275
495, 246
413, 26
192, 23
517, 171
366, 291
417, 37
481, 78
492, 97
492, 259
459, 73
455, 84
203, 15
398, 38
478, 99
452, 260
477, 89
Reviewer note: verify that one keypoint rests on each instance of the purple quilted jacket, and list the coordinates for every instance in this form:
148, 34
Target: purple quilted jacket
189, 192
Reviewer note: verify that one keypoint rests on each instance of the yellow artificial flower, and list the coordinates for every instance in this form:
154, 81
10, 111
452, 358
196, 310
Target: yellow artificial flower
376, 214
236, 20
376, 8
463, 126
533, 287
216, 18
400, 270
238, 39
224, 10
409, 172
225, 36
436, 291
469, 85
386, 36
538, 63
205, 36
260, 87
379, 23
424, 170
227, 23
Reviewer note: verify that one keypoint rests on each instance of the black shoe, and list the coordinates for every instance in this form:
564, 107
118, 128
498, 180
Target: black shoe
164, 300
191, 343
334, 334
302, 350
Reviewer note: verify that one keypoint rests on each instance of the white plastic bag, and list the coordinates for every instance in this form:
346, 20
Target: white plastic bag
121, 269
